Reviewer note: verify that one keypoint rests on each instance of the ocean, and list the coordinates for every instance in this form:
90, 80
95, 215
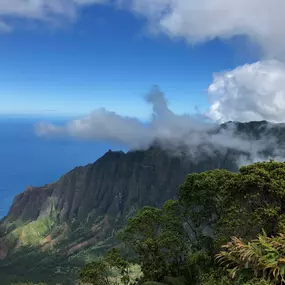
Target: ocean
28, 160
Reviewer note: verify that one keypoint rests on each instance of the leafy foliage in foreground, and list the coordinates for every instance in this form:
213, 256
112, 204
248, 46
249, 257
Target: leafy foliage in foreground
111, 269
181, 240
261, 257
29, 283
236, 204
156, 236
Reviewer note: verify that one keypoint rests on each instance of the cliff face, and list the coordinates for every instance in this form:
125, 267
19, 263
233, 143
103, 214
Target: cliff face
107, 192
87, 205
112, 185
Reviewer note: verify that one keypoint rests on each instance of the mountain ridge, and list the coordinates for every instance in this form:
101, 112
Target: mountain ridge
78, 215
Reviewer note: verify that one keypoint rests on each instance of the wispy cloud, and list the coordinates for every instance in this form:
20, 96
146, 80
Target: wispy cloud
249, 92
171, 130
41, 10
262, 21
104, 125
5, 28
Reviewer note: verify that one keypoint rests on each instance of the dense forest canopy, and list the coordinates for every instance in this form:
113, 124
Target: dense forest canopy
225, 228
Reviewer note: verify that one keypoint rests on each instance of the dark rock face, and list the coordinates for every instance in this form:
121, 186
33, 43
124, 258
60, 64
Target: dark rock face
113, 185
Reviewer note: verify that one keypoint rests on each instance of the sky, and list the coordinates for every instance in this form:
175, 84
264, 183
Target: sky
222, 59
133, 71
70, 60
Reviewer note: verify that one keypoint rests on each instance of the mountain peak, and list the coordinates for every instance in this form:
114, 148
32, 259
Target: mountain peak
88, 204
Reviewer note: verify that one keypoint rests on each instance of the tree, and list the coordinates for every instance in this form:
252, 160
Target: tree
221, 204
29, 283
96, 273
115, 261
157, 238
185, 234
110, 270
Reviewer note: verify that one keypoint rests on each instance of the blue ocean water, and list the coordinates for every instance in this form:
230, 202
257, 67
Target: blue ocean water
27, 160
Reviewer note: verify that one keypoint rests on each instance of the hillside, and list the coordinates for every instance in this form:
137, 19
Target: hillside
51, 231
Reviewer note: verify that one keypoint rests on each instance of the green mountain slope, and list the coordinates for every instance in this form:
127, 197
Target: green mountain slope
51, 231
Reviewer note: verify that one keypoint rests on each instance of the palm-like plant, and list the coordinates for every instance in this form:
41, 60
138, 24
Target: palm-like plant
262, 257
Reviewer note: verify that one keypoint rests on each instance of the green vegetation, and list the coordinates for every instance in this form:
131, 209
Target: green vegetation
111, 269
262, 257
29, 283
225, 228
33, 233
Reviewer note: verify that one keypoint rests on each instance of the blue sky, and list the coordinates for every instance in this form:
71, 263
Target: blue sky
68, 57
106, 59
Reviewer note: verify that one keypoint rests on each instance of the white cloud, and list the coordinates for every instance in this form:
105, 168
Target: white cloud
44, 10
194, 20
262, 21
171, 130
104, 125
249, 93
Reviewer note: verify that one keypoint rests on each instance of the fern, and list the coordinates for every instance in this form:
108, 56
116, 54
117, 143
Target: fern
264, 257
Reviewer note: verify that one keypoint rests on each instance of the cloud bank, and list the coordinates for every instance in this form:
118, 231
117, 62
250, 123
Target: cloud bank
262, 21
172, 131
104, 125
251, 92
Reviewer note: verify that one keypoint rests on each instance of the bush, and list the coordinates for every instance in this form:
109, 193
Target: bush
263, 257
